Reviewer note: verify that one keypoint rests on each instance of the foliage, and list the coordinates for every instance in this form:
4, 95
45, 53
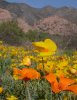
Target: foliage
34, 35
38, 89
10, 33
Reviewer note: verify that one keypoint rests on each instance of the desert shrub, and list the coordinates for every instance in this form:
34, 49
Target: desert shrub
10, 33
34, 35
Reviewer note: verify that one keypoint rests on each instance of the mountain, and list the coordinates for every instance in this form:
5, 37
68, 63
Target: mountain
68, 13
60, 23
62, 31
32, 15
24, 25
56, 25
21, 10
5, 15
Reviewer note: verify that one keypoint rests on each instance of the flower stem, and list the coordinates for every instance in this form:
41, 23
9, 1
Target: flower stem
43, 66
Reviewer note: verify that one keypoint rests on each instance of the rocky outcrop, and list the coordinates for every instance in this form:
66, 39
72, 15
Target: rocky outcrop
23, 25
5, 15
56, 25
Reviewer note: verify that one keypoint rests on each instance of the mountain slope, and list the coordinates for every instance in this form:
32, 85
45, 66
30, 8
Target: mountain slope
56, 25
68, 13
5, 15
21, 10
62, 31
32, 15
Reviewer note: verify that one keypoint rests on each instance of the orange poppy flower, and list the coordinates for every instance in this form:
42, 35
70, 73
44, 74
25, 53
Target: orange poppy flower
53, 81
26, 73
61, 84
65, 82
72, 88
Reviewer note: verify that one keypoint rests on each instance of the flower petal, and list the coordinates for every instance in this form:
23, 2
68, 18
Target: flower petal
53, 81
72, 88
65, 82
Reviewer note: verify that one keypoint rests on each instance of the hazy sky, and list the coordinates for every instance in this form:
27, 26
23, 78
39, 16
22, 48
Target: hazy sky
42, 3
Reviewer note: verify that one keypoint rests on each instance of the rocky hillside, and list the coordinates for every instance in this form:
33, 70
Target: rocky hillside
21, 10
62, 31
52, 20
32, 15
5, 15
56, 25
61, 23
24, 25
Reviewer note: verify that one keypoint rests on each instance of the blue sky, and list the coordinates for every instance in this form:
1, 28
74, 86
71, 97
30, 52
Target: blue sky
42, 3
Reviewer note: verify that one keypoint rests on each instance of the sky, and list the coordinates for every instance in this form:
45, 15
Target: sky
42, 3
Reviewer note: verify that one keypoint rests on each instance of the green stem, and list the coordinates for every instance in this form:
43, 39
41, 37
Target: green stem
43, 63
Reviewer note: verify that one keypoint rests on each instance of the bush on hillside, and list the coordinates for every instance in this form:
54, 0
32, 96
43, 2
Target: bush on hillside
10, 33
34, 35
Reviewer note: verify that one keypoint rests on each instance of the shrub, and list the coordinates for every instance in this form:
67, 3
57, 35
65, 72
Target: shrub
10, 33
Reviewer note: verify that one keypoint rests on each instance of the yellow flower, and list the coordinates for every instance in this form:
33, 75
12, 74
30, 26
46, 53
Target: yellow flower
0, 55
75, 66
1, 42
45, 48
12, 98
48, 69
49, 66
1, 89
75, 61
73, 71
26, 61
62, 62
15, 77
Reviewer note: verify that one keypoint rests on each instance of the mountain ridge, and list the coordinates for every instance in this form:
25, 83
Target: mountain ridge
28, 18
32, 15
